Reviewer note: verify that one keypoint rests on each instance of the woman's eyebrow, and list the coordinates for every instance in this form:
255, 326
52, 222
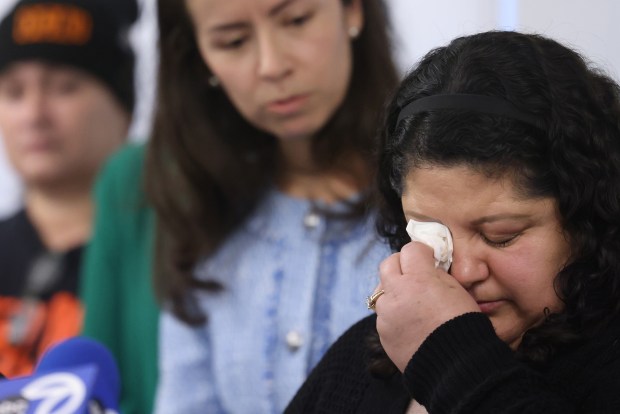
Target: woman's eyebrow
497, 217
279, 7
228, 26
241, 25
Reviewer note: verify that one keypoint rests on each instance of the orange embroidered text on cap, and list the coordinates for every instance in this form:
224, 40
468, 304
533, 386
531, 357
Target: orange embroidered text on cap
52, 23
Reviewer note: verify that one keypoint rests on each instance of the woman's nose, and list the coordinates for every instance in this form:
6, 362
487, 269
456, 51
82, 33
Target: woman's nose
468, 263
273, 58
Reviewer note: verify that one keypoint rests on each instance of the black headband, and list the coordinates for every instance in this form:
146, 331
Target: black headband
479, 103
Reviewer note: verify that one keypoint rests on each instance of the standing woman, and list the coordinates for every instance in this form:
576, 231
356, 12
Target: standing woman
258, 170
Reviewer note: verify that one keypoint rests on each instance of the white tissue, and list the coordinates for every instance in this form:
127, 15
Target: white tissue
437, 237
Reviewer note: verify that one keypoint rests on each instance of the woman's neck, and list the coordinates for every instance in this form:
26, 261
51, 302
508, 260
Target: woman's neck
62, 216
300, 177
325, 186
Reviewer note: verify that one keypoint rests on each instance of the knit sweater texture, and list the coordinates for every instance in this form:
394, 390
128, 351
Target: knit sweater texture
463, 367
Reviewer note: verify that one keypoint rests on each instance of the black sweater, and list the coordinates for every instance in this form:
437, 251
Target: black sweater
463, 367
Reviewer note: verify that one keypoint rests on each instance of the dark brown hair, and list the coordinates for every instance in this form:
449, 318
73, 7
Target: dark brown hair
207, 168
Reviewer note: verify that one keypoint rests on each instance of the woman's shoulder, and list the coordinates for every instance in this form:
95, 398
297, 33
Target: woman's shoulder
120, 182
356, 335
348, 356
127, 161
343, 378
602, 351
342, 374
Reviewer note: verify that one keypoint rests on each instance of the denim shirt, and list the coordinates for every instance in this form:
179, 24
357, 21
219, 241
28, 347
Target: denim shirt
294, 280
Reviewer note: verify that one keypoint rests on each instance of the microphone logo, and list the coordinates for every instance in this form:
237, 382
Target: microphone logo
75, 376
57, 393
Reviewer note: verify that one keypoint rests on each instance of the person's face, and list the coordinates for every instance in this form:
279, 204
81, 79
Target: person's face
58, 123
508, 249
285, 64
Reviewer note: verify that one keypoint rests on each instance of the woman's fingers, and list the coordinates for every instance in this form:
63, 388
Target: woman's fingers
417, 258
417, 298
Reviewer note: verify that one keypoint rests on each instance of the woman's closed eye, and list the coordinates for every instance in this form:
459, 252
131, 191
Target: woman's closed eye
231, 43
499, 241
298, 20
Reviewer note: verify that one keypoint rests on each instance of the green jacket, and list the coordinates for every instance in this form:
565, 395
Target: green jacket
117, 292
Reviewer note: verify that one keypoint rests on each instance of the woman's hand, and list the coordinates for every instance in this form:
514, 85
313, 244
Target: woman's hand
418, 298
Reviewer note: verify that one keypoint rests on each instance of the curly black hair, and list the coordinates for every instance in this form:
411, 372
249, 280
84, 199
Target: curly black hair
573, 157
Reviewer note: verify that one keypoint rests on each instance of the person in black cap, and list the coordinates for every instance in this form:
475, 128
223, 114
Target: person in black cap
512, 141
66, 102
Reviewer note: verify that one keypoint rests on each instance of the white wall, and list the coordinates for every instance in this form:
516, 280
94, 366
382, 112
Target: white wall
9, 186
423, 25
592, 26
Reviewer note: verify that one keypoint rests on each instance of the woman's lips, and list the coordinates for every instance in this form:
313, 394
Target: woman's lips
288, 106
488, 307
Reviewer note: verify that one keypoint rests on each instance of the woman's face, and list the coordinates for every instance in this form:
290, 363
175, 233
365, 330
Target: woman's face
507, 249
58, 124
285, 64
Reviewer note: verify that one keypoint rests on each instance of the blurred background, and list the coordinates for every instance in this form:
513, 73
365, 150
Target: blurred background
591, 27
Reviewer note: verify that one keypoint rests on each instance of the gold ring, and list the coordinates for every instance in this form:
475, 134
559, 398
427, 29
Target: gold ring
371, 300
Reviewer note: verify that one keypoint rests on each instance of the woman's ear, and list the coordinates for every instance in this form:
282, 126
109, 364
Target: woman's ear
354, 17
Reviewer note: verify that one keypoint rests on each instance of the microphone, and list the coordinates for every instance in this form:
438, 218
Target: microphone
75, 376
